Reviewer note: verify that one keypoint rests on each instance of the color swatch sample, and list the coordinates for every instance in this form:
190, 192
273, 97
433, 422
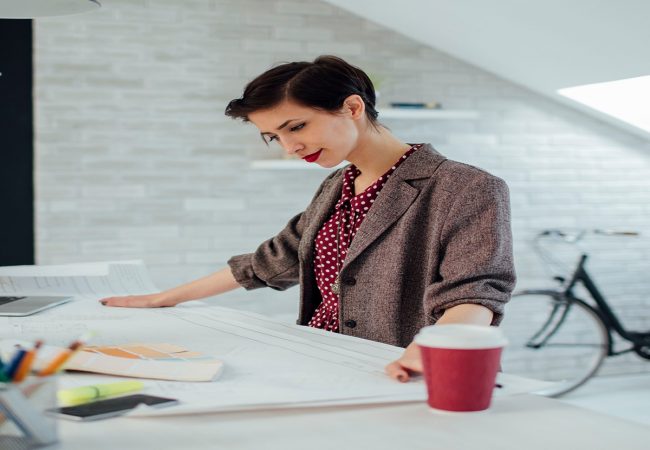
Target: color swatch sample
165, 352
153, 361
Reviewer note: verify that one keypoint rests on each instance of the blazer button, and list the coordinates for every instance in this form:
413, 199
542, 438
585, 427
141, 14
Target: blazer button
349, 281
350, 323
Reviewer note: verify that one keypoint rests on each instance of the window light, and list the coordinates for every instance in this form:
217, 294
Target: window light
627, 100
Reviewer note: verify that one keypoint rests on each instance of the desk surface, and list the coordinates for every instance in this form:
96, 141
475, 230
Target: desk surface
518, 422
514, 422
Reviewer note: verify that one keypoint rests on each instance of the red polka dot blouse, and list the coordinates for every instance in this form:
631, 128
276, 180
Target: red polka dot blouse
335, 236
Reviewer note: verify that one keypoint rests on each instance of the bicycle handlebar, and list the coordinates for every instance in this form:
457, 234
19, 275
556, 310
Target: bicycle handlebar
574, 236
571, 237
617, 233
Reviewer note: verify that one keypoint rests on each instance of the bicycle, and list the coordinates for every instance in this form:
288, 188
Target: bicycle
557, 336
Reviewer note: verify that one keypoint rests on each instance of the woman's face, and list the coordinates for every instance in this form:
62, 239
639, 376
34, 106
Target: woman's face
315, 136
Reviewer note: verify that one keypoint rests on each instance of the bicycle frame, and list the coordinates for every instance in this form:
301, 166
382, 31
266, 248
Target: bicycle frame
602, 308
561, 298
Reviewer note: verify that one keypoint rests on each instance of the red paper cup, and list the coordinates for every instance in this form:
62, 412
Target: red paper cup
460, 365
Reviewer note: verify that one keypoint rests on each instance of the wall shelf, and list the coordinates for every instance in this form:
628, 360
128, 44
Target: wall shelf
434, 114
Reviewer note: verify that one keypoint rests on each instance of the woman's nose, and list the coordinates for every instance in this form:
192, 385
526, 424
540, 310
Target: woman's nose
292, 147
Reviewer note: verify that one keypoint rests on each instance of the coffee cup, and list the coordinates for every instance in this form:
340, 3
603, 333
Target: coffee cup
460, 365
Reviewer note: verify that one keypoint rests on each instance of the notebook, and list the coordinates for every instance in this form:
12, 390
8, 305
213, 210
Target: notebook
24, 306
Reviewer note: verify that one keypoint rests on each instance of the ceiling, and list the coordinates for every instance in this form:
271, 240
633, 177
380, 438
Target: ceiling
543, 45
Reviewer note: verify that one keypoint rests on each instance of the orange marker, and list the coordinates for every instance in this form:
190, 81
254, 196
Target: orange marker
57, 363
26, 363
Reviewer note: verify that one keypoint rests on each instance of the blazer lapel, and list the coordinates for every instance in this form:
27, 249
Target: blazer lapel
392, 202
395, 198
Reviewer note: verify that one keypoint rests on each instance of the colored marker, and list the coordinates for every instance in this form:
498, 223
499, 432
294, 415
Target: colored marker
57, 363
12, 367
3, 377
85, 394
26, 363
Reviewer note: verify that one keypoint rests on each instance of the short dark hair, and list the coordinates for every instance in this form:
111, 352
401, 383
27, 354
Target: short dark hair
323, 84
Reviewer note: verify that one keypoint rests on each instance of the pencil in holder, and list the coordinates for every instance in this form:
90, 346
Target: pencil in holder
23, 422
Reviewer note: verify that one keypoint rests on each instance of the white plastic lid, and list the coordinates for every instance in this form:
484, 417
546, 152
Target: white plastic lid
461, 336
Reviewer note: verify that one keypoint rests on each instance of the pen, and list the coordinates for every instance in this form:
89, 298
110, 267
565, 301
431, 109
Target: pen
11, 368
3, 377
57, 363
84, 394
26, 364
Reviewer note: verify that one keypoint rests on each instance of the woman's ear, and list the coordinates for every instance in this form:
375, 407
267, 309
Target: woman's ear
354, 106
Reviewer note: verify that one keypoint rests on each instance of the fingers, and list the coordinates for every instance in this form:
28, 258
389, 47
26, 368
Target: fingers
412, 365
397, 372
113, 301
408, 365
411, 359
108, 301
129, 301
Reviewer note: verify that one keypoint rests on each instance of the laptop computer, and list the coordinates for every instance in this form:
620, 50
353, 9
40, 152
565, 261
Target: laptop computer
24, 306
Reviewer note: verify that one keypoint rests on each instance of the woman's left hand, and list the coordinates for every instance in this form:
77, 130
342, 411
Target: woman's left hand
410, 363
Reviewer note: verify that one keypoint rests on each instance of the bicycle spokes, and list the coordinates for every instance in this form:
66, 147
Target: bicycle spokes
554, 339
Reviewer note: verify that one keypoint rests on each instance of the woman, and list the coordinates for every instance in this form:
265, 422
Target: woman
400, 239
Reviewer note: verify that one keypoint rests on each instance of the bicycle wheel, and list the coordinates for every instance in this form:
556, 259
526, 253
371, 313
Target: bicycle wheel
552, 339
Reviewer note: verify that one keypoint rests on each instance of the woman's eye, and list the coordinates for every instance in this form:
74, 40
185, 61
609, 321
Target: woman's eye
272, 138
298, 127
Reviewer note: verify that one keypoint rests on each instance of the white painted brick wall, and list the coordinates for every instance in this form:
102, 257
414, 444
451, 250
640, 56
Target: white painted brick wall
136, 160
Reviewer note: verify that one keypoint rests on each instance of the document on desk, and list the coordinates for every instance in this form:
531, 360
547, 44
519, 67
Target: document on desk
83, 279
271, 364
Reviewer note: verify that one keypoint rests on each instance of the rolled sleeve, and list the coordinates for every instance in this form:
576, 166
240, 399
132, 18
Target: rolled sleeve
476, 265
275, 263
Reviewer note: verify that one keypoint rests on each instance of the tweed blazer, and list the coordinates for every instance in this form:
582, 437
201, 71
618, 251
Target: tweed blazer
438, 235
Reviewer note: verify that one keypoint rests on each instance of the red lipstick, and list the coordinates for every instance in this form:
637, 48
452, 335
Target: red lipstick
313, 157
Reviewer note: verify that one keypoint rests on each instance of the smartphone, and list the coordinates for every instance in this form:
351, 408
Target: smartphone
103, 409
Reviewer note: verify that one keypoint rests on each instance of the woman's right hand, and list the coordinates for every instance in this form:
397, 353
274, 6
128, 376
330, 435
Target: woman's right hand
214, 284
158, 300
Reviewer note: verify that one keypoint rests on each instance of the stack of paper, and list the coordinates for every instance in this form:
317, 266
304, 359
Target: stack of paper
86, 279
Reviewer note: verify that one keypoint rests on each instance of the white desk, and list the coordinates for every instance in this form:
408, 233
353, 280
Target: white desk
519, 422
516, 422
